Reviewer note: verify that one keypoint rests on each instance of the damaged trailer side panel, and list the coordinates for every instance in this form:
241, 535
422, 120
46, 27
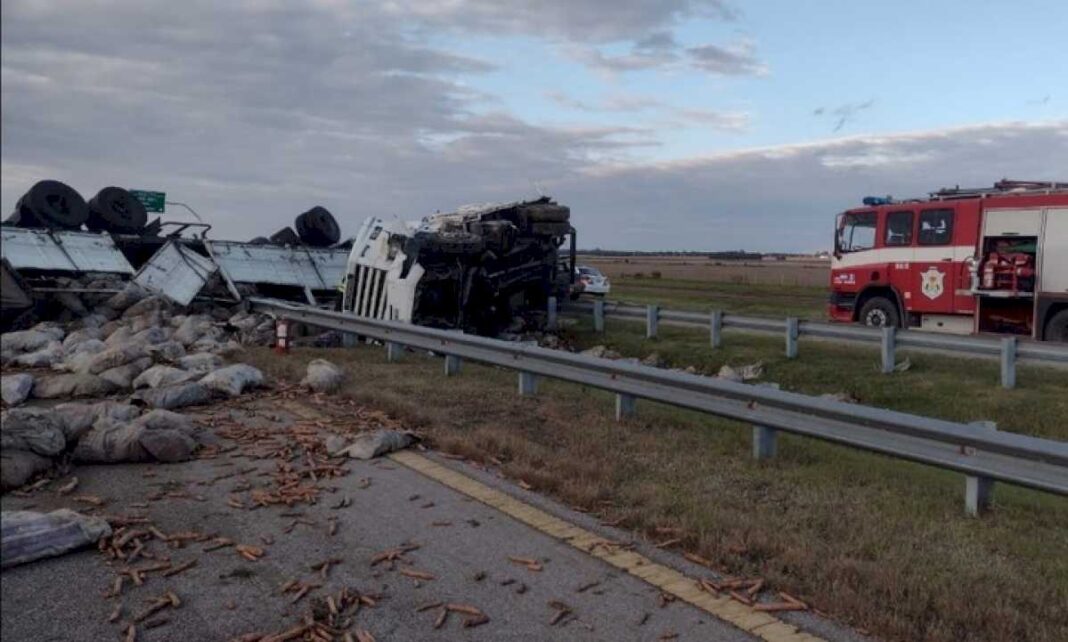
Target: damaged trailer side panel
14, 293
176, 272
37, 249
315, 268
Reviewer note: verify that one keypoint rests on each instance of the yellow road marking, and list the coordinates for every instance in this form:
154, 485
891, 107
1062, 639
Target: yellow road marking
668, 580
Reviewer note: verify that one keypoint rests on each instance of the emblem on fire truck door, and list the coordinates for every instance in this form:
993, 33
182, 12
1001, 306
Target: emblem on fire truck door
932, 283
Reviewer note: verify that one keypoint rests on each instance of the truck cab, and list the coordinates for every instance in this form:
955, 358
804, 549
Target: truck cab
475, 269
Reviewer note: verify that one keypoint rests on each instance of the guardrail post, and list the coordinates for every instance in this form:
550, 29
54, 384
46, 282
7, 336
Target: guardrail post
978, 490
625, 406
888, 348
791, 337
652, 318
393, 351
715, 325
1008, 363
764, 442
550, 322
598, 315
452, 365
528, 383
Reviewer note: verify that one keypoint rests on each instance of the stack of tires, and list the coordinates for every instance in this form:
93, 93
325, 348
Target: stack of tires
58, 206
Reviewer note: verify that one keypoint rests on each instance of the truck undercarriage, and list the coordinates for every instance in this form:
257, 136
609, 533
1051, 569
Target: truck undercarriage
475, 269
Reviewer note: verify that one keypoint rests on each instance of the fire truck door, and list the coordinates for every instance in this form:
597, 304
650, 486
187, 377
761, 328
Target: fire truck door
935, 270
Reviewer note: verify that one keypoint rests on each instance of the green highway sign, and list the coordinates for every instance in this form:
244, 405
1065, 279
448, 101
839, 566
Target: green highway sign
153, 201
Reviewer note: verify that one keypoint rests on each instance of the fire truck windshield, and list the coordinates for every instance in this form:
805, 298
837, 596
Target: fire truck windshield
856, 232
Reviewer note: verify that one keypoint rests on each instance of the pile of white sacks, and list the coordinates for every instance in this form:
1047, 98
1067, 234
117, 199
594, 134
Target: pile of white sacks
144, 354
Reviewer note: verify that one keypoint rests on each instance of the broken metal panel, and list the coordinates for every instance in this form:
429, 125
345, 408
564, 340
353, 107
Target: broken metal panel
315, 268
35, 249
14, 293
176, 272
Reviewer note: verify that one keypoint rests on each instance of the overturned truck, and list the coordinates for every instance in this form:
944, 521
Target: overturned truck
477, 269
51, 269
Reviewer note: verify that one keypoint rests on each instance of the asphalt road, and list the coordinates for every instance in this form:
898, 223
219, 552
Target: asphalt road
464, 544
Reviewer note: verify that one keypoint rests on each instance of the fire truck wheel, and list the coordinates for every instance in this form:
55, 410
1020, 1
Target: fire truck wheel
879, 312
1057, 327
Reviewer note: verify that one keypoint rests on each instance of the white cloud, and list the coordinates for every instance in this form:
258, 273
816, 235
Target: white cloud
342, 105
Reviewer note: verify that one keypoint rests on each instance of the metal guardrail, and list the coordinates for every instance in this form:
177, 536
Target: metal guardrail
978, 450
1007, 349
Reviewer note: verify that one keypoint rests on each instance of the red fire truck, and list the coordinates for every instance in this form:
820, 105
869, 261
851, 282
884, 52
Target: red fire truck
963, 260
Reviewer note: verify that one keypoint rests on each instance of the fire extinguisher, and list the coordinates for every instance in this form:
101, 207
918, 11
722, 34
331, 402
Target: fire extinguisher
281, 328
988, 271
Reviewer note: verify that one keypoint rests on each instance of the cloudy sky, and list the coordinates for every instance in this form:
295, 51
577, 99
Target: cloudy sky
665, 124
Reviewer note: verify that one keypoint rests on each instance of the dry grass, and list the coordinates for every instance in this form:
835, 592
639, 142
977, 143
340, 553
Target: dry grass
775, 288
878, 543
805, 273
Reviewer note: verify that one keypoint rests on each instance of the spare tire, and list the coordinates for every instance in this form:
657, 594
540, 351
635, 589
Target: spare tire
546, 212
285, 236
17, 219
317, 227
260, 240
51, 204
114, 209
450, 243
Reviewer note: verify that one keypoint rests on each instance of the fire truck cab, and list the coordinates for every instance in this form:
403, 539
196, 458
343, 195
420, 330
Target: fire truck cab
962, 261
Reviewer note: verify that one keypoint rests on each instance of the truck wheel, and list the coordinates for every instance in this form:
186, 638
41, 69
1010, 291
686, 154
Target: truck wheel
114, 209
546, 213
317, 227
52, 204
1057, 327
879, 312
285, 236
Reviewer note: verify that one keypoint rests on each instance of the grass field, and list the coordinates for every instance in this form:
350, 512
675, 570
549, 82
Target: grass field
878, 543
780, 288
759, 300
794, 272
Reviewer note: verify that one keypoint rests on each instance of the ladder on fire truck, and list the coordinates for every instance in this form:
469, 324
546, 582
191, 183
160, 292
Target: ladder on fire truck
1002, 187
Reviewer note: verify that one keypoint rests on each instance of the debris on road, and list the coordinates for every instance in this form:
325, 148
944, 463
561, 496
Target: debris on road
26, 536
233, 380
587, 586
530, 564
562, 611
843, 397
417, 575
601, 352
322, 376
392, 555
376, 444
16, 388
742, 373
